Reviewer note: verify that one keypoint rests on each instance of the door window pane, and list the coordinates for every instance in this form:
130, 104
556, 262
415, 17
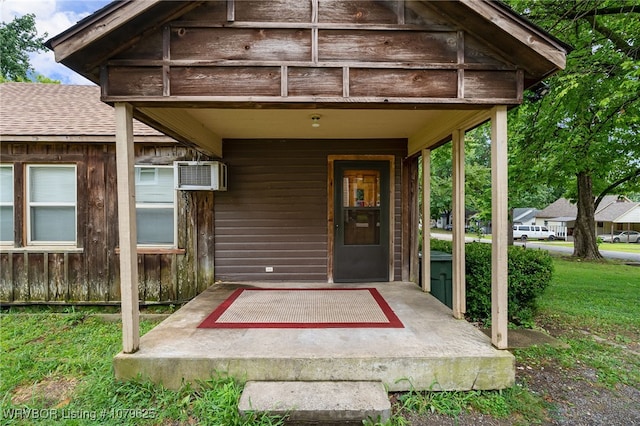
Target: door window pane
361, 188
362, 227
361, 204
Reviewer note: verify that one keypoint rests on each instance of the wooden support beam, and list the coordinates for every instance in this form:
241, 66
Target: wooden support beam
166, 57
127, 228
426, 220
499, 225
458, 276
460, 38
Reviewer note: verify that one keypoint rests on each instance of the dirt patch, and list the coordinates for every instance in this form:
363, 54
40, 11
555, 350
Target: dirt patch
573, 395
578, 399
52, 392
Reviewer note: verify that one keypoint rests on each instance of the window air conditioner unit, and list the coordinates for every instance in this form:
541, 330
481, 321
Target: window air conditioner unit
200, 175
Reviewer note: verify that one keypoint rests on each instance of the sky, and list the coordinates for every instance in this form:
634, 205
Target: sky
52, 18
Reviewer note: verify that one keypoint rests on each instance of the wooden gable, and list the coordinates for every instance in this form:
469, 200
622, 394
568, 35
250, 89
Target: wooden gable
329, 52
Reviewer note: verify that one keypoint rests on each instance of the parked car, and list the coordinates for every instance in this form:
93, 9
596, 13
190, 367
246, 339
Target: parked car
624, 237
528, 232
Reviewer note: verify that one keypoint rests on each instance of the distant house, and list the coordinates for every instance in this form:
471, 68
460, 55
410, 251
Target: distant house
525, 215
615, 213
58, 203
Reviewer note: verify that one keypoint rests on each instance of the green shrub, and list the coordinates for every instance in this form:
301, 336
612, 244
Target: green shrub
529, 272
441, 245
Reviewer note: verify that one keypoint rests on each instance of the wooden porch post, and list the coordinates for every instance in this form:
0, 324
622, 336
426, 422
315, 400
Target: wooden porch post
499, 231
127, 228
426, 220
458, 272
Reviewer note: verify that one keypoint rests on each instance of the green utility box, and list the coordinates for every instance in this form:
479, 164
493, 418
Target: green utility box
441, 277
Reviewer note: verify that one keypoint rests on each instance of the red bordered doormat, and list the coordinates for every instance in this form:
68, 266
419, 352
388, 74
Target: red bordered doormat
303, 308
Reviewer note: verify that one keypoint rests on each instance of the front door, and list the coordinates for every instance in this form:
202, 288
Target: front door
361, 201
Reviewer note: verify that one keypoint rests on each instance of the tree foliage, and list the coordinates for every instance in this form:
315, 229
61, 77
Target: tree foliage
18, 38
477, 176
579, 130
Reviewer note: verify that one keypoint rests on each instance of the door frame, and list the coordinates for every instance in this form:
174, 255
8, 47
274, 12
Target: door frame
331, 206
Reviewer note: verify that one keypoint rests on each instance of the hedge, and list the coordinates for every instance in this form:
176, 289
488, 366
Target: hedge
530, 273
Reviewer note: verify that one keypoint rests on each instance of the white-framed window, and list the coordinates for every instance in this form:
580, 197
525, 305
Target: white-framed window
6, 204
155, 206
51, 196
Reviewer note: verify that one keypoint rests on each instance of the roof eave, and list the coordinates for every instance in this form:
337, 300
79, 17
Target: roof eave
485, 7
115, 27
86, 31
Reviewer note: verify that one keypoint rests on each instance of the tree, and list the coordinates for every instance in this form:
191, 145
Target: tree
580, 129
477, 176
441, 182
18, 38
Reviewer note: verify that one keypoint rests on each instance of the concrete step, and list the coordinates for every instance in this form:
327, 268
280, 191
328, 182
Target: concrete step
322, 403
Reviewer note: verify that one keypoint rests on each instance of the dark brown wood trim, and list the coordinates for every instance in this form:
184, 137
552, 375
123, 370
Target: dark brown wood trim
324, 64
520, 84
311, 25
19, 225
153, 250
309, 102
407, 218
166, 57
330, 219
81, 207
37, 158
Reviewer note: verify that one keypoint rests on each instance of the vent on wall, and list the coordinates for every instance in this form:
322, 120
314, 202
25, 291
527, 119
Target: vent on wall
200, 175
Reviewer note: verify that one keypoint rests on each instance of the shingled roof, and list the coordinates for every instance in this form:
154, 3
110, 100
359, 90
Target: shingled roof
34, 111
566, 209
614, 211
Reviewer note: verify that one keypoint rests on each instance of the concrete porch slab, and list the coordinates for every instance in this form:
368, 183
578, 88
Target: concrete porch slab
433, 351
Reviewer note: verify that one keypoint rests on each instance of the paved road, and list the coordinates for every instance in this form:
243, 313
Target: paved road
634, 257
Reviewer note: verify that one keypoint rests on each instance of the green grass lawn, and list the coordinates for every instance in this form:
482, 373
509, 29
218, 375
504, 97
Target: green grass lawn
596, 306
602, 297
57, 367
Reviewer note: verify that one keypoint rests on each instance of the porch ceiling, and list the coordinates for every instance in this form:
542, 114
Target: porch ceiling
422, 128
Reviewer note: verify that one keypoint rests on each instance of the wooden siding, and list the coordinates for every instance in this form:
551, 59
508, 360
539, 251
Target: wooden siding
275, 211
89, 272
301, 51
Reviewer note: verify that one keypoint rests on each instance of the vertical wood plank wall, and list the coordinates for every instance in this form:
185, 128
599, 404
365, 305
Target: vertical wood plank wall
275, 211
90, 272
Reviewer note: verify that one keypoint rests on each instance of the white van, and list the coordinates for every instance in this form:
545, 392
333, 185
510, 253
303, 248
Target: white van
526, 232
